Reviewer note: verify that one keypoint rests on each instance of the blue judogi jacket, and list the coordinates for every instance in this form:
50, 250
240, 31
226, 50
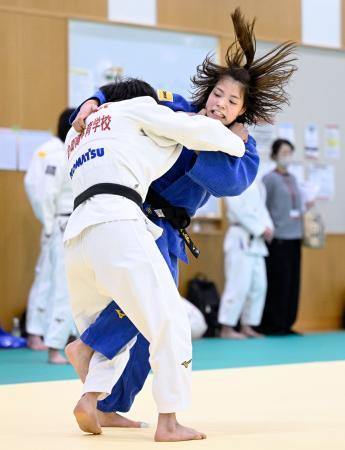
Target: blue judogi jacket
188, 184
195, 177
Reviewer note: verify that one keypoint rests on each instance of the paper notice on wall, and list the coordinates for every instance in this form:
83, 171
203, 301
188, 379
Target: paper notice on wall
264, 168
264, 136
211, 209
133, 11
311, 142
322, 176
28, 142
297, 169
332, 142
8, 149
286, 131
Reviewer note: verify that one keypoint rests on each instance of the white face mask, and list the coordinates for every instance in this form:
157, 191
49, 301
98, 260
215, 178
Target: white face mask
284, 161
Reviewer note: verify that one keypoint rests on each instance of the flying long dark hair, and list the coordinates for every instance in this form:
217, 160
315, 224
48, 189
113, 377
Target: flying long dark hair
263, 80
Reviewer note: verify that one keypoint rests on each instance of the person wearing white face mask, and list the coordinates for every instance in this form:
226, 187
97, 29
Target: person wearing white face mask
283, 263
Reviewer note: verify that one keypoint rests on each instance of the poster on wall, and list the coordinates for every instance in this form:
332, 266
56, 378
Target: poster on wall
297, 169
212, 209
332, 142
264, 135
311, 142
28, 143
8, 149
287, 131
265, 167
322, 176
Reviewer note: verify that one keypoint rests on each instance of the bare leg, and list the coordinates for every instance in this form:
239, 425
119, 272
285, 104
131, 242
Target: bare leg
230, 333
248, 331
79, 355
86, 413
55, 357
169, 430
113, 419
36, 343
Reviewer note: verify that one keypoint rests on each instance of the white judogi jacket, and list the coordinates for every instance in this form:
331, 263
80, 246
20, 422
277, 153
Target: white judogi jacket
57, 195
47, 183
132, 143
248, 216
34, 176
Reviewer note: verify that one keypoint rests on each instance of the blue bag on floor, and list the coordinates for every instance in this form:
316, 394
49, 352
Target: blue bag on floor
7, 340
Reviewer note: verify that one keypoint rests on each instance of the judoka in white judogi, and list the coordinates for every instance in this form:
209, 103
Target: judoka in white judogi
50, 192
109, 243
244, 247
38, 296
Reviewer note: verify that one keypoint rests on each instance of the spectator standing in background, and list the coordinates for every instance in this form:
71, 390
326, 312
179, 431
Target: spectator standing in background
283, 263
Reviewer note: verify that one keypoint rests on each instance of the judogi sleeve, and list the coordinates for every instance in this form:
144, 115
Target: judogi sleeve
224, 175
194, 132
173, 101
98, 96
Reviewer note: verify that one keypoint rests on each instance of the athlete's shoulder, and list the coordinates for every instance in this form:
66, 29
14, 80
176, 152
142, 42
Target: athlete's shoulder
48, 147
174, 101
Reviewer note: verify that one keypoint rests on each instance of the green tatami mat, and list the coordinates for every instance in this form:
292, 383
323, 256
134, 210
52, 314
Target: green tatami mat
20, 366
222, 353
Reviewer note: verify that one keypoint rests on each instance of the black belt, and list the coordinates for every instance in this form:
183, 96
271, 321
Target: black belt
236, 224
109, 188
176, 216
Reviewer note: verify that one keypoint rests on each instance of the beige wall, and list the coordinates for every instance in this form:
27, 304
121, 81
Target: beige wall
322, 300
277, 20
33, 35
35, 91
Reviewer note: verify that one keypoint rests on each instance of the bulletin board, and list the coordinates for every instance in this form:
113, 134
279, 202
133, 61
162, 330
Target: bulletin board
165, 59
317, 96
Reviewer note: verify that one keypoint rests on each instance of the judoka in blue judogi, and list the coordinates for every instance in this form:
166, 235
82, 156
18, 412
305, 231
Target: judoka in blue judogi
188, 184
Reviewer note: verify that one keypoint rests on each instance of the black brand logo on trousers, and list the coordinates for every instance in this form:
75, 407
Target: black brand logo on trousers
186, 363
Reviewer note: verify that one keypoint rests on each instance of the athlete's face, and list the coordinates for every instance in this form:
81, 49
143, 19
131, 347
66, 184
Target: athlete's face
226, 101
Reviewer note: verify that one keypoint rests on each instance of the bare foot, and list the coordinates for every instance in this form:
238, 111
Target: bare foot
86, 413
55, 357
79, 355
248, 331
229, 333
36, 343
114, 419
169, 430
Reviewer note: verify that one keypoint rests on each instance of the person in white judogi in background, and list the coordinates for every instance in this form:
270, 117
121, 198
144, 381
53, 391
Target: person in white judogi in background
50, 193
245, 271
198, 325
110, 245
39, 292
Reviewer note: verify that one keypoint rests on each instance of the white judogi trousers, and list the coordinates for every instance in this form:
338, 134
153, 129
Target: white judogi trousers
38, 301
119, 259
59, 323
245, 289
